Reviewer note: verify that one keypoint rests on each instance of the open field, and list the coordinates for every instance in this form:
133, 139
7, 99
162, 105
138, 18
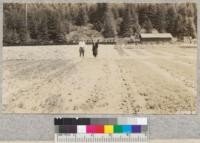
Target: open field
150, 79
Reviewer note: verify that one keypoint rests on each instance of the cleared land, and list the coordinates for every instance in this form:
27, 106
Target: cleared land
152, 79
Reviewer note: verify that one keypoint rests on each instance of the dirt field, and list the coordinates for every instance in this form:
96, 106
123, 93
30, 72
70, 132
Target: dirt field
152, 79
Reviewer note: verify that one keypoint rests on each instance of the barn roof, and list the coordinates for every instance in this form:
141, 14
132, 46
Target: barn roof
156, 35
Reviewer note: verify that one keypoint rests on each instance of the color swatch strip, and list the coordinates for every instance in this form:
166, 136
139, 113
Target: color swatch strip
101, 121
106, 129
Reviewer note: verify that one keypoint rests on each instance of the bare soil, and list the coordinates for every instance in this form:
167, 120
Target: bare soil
143, 79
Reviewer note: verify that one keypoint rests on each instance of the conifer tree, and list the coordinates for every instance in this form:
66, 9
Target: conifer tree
160, 21
60, 37
15, 39
126, 25
147, 25
191, 30
82, 17
52, 25
180, 27
98, 16
43, 36
171, 20
109, 29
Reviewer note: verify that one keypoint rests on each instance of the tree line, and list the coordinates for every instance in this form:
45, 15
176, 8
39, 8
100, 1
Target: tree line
25, 24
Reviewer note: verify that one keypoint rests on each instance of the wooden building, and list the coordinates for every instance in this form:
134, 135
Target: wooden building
155, 37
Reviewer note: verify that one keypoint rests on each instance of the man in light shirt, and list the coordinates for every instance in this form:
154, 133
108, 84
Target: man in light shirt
81, 48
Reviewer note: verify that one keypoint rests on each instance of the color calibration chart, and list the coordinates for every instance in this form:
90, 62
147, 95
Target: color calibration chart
101, 130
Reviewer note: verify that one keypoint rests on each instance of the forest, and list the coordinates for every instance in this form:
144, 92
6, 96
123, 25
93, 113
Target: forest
61, 23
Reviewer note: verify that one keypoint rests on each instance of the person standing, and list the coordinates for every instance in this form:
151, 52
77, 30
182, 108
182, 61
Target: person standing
95, 48
81, 48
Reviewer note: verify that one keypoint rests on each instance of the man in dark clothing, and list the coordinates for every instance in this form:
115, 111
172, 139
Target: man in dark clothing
81, 51
95, 48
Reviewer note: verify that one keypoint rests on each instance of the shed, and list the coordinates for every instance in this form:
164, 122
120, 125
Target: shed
156, 37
